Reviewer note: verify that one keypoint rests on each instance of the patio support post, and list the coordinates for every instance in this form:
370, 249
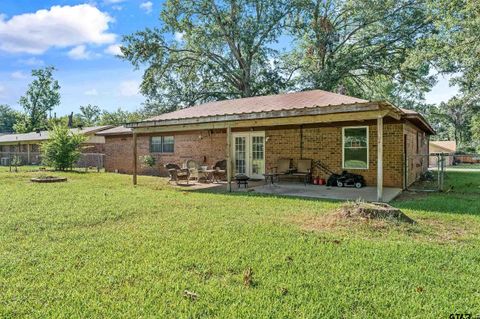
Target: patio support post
28, 154
229, 159
134, 158
380, 158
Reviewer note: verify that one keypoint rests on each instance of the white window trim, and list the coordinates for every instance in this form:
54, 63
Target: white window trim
343, 147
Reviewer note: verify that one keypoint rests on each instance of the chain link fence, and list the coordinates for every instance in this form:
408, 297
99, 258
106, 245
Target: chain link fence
86, 161
427, 172
91, 161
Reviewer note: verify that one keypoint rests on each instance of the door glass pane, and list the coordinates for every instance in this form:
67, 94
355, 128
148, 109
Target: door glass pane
240, 155
258, 162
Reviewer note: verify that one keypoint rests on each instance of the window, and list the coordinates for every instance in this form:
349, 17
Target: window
355, 147
161, 144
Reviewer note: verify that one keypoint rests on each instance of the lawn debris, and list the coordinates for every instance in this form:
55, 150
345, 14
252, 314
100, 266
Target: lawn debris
369, 211
190, 295
248, 277
419, 289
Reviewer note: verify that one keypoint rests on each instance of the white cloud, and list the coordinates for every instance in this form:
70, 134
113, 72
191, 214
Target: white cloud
3, 90
117, 8
18, 75
60, 26
92, 92
80, 53
147, 6
179, 36
114, 49
129, 88
33, 61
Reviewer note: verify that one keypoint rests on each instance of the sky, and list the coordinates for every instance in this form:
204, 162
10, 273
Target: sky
81, 39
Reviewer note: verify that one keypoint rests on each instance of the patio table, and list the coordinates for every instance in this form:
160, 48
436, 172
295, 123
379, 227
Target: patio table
209, 175
272, 177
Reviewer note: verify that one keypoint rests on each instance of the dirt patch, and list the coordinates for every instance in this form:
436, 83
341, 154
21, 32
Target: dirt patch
351, 221
361, 210
48, 179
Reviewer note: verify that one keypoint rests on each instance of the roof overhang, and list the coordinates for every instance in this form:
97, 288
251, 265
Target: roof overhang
255, 116
421, 122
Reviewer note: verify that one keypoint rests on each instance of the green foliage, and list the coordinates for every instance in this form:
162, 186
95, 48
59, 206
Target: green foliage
455, 117
362, 48
454, 47
62, 149
89, 115
8, 118
222, 50
100, 247
149, 161
41, 97
119, 117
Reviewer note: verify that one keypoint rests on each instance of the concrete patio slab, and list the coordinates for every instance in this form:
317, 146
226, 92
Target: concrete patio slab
368, 193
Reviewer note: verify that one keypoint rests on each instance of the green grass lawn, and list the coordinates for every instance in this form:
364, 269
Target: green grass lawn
98, 247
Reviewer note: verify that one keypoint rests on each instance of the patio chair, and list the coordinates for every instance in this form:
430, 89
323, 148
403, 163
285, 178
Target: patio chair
283, 167
220, 172
195, 170
176, 173
304, 170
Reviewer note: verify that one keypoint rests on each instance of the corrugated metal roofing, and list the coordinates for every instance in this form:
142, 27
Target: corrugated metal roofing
43, 135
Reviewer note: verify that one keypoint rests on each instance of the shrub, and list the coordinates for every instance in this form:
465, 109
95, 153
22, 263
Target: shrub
149, 161
62, 149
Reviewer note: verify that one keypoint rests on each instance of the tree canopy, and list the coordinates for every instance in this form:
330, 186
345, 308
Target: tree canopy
41, 97
207, 50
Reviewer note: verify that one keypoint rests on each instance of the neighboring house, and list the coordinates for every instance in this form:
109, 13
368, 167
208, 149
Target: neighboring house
342, 132
27, 146
447, 148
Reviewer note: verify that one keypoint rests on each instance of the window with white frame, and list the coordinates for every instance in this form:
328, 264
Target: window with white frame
355, 147
162, 144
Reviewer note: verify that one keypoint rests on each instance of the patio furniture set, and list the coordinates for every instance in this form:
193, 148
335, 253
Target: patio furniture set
191, 170
284, 169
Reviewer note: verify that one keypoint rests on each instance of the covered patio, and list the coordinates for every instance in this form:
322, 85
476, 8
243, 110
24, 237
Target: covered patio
334, 133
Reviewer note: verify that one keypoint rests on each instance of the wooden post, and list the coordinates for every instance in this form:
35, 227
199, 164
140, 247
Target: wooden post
380, 159
28, 154
134, 158
229, 159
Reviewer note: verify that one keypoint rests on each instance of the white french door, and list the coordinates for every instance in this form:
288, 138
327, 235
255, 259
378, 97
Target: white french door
249, 153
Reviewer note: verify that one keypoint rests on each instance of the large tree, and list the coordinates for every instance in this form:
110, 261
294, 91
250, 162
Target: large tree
455, 117
208, 50
455, 46
89, 115
361, 47
41, 97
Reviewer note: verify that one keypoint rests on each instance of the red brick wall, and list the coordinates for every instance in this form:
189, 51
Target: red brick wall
325, 144
417, 159
206, 147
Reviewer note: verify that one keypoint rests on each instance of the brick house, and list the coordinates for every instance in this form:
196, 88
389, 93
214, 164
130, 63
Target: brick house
27, 146
343, 132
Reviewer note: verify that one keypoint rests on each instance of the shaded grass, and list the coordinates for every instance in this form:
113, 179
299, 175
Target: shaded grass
98, 247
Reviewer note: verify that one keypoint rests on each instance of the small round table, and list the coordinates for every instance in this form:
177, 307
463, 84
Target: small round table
271, 177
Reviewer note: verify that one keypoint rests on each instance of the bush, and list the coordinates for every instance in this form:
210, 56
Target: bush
149, 161
62, 149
